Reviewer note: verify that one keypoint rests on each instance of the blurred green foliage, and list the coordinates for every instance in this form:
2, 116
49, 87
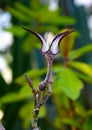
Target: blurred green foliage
70, 74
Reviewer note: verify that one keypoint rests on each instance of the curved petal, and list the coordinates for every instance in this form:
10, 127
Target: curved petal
56, 41
44, 47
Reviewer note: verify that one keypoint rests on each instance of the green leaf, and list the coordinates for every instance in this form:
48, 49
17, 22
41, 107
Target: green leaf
42, 112
70, 122
79, 108
80, 52
88, 124
18, 14
82, 67
33, 74
54, 17
64, 100
26, 113
26, 89
88, 113
70, 83
16, 30
29, 42
58, 20
57, 122
85, 78
14, 97
27, 11
24, 93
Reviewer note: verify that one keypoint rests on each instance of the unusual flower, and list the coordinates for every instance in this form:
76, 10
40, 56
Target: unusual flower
53, 47
49, 50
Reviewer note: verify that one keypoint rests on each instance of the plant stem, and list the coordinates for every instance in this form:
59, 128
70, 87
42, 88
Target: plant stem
35, 119
49, 78
40, 91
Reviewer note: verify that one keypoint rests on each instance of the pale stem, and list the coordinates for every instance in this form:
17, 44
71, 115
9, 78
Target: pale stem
49, 78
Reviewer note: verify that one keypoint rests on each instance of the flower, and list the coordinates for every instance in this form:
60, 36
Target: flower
53, 47
49, 50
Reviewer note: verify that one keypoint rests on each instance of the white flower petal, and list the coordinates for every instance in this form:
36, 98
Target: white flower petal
45, 46
56, 41
54, 47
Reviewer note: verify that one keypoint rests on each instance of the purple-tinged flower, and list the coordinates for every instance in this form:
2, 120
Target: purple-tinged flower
50, 49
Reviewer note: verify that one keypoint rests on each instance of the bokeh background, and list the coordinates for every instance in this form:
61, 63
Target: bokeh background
70, 106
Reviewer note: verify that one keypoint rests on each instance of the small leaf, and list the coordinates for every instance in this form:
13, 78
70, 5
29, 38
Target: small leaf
88, 113
85, 78
88, 124
45, 17
82, 67
24, 93
57, 122
15, 97
70, 83
33, 74
42, 112
16, 30
79, 109
58, 20
64, 100
80, 52
18, 14
27, 11
70, 122
28, 44
25, 89
26, 113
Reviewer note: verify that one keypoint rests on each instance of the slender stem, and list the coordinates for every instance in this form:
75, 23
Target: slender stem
36, 103
35, 119
30, 83
49, 72
39, 95
48, 78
